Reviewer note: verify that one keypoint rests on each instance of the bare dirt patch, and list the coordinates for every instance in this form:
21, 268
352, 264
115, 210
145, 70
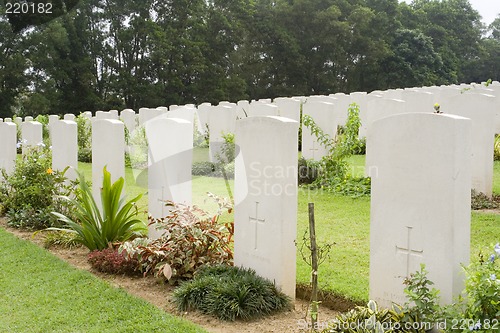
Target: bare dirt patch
159, 294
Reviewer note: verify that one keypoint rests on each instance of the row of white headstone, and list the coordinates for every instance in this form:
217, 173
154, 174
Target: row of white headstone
420, 191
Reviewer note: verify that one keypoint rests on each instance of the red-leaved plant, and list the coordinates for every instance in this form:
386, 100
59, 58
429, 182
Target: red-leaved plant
111, 261
191, 239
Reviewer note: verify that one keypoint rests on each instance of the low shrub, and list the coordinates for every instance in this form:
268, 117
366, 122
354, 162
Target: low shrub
230, 293
496, 151
308, 171
33, 190
113, 262
96, 227
191, 239
480, 200
203, 168
59, 238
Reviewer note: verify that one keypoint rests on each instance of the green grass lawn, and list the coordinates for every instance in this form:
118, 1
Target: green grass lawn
41, 293
339, 219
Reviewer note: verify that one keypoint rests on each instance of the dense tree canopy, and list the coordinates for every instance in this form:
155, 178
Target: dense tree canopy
112, 54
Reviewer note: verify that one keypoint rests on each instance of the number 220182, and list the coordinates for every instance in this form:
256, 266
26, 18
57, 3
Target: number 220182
28, 8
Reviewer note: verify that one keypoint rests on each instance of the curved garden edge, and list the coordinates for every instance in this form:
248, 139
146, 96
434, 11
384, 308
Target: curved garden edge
159, 294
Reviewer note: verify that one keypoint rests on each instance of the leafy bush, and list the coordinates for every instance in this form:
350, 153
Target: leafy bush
59, 238
230, 293
203, 168
138, 148
333, 172
84, 129
482, 287
364, 319
480, 200
32, 190
97, 228
192, 239
307, 171
113, 262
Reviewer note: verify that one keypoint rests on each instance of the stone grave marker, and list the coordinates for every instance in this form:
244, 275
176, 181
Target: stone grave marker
146, 114
31, 135
221, 121
288, 107
262, 109
8, 148
128, 117
326, 118
266, 199
65, 147
481, 110
108, 147
420, 203
69, 116
170, 156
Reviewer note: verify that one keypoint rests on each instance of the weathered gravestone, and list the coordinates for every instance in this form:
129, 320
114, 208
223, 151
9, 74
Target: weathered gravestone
65, 147
266, 199
288, 107
8, 151
32, 135
326, 118
221, 121
420, 203
170, 157
108, 146
481, 110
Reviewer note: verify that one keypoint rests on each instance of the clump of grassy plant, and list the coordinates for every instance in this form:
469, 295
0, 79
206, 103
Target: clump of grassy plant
230, 293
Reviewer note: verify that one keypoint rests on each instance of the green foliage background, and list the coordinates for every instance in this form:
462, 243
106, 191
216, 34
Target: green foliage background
112, 54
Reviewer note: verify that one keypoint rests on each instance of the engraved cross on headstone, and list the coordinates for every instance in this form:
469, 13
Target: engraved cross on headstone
408, 251
256, 221
313, 149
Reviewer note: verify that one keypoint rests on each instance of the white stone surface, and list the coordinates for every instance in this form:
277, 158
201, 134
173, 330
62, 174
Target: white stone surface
418, 101
31, 134
262, 109
170, 157
221, 121
108, 146
128, 117
65, 147
327, 119
379, 108
202, 115
69, 116
288, 107
266, 199
481, 110
183, 112
146, 114
420, 203
242, 109
8, 151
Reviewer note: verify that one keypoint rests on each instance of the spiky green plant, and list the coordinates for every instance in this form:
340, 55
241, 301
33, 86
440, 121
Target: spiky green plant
96, 227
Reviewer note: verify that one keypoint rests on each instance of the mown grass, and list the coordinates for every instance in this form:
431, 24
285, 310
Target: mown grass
41, 293
339, 219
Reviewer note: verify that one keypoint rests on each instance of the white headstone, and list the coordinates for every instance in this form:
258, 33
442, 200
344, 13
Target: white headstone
288, 107
266, 199
28, 118
87, 114
418, 101
183, 112
18, 121
65, 147
8, 120
420, 203
114, 114
379, 108
326, 118
108, 146
146, 114
69, 116
481, 110
128, 118
221, 121
242, 109
31, 134
262, 109
8, 151
170, 157
202, 115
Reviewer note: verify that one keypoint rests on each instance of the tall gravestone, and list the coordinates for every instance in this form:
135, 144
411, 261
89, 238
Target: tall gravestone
481, 110
32, 135
108, 147
266, 199
69, 116
288, 107
65, 147
170, 157
221, 121
146, 114
420, 203
326, 118
202, 116
128, 117
8, 151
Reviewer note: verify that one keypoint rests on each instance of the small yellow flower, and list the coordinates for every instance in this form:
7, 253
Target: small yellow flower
49, 171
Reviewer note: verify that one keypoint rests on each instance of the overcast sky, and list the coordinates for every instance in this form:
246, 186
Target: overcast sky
488, 9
